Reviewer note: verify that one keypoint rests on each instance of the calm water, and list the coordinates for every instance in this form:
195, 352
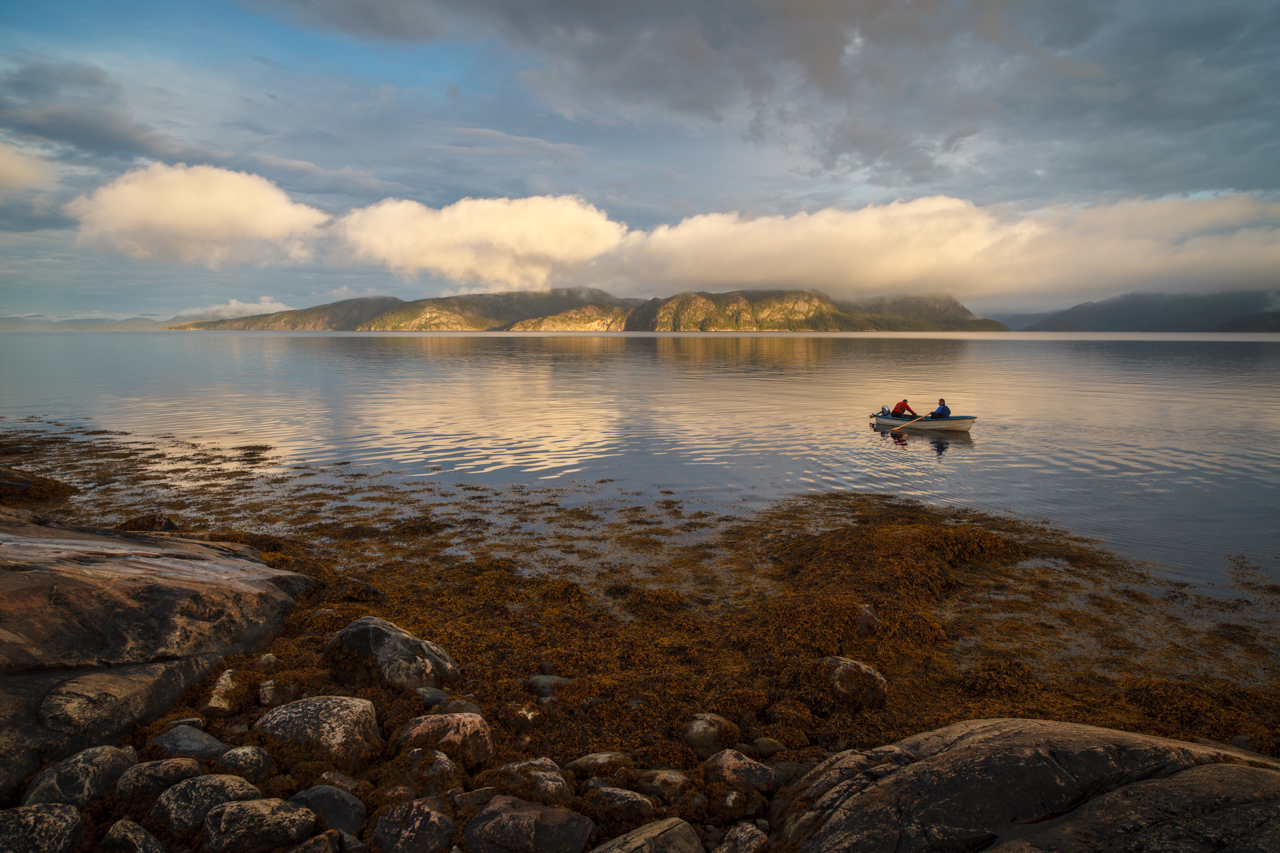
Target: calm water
1167, 447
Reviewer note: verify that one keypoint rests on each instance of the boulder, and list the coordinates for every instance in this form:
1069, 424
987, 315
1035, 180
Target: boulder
619, 804
600, 764
672, 835
538, 779
744, 838
1012, 785
737, 771
858, 685
329, 841
80, 779
511, 825
418, 826
106, 630
250, 761
150, 779
373, 650
707, 734
184, 806
463, 737
256, 826
189, 742
338, 809
125, 836
46, 828
340, 728
457, 705
429, 771
670, 785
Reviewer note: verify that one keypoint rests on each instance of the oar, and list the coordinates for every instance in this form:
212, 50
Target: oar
908, 423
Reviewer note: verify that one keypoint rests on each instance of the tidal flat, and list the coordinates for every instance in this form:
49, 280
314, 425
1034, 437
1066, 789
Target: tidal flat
657, 608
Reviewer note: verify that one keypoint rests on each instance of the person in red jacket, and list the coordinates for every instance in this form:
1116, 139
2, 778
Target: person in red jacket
901, 410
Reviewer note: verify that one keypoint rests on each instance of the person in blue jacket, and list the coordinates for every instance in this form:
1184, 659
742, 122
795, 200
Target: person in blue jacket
942, 411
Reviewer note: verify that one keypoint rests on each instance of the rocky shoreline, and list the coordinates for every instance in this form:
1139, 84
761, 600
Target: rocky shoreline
233, 692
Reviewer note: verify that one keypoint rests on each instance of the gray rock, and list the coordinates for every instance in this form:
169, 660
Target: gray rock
342, 728
978, 783
188, 742
463, 737
46, 828
151, 778
707, 734
744, 838
537, 779
508, 825
335, 806
672, 835
859, 685
670, 785
600, 764
458, 705
80, 779
432, 696
737, 771
1208, 808
125, 836
621, 804
251, 761
373, 650
184, 806
256, 826
417, 826
137, 620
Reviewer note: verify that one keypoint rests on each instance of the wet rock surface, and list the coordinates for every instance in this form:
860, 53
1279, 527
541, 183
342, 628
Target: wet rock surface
104, 630
340, 727
80, 779
45, 828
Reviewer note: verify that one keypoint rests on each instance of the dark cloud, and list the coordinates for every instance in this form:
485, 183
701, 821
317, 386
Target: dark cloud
925, 97
80, 106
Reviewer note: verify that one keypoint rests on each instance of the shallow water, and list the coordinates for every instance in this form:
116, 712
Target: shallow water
1165, 446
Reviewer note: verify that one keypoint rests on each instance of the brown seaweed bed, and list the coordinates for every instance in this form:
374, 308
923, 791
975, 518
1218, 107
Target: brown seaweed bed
659, 608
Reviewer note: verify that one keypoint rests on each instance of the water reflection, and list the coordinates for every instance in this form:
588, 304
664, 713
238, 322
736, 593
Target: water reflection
1104, 436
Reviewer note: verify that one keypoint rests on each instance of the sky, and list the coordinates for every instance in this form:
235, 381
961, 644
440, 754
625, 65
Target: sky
162, 158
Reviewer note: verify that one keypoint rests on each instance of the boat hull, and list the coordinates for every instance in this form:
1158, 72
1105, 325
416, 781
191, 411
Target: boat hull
955, 423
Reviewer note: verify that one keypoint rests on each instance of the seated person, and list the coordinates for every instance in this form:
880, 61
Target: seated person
942, 411
901, 410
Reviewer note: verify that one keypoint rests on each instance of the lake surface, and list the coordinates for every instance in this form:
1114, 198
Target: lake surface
1165, 446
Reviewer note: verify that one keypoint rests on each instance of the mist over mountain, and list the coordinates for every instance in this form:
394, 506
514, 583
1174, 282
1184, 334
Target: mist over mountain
1159, 312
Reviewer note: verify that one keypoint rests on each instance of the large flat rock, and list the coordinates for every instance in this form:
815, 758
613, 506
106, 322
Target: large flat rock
1030, 785
102, 630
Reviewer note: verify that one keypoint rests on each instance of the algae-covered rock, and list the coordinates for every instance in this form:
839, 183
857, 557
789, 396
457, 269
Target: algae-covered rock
857, 684
707, 734
418, 826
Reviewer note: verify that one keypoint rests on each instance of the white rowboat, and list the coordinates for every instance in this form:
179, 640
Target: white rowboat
955, 423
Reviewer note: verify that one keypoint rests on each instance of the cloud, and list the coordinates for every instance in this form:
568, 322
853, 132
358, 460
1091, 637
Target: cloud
19, 171
502, 242
954, 246
235, 308
197, 214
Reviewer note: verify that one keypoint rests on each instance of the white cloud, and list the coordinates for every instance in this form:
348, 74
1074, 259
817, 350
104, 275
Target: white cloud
954, 246
19, 171
500, 242
197, 214
235, 308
